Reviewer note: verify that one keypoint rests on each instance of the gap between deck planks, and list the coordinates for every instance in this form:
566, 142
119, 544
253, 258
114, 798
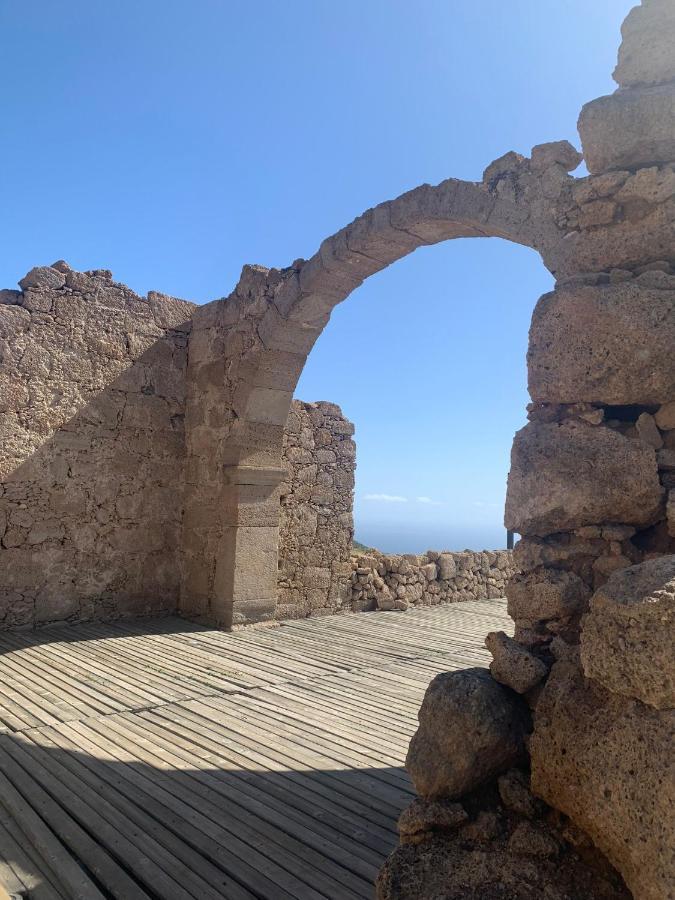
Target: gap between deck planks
160, 759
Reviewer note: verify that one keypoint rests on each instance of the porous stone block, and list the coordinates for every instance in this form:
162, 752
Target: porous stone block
423, 816
546, 594
470, 729
665, 416
513, 665
648, 432
634, 325
646, 52
568, 475
561, 153
628, 636
605, 760
43, 278
487, 859
629, 129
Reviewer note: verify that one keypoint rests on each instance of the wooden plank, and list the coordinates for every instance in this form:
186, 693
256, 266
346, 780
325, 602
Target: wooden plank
20, 868
194, 763
254, 816
326, 783
82, 758
35, 813
271, 795
290, 876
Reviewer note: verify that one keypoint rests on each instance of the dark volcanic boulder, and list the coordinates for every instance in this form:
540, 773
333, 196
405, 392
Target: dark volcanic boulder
471, 729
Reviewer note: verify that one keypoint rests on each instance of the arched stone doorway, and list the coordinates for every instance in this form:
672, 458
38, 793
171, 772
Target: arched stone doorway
247, 352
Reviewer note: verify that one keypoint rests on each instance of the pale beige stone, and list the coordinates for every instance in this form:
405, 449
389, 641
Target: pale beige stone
513, 665
605, 761
628, 635
546, 594
634, 325
629, 129
569, 475
646, 52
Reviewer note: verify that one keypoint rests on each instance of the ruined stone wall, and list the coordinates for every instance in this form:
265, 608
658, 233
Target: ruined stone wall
385, 581
91, 448
316, 528
559, 765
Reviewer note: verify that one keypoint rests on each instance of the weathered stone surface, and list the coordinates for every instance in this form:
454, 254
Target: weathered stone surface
470, 730
665, 416
634, 325
316, 524
629, 129
570, 474
646, 52
562, 153
43, 278
446, 566
513, 665
628, 636
91, 439
423, 816
647, 430
518, 861
546, 594
528, 840
388, 581
515, 794
606, 761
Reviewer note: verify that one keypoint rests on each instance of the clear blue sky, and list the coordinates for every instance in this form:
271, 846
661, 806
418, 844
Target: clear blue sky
174, 140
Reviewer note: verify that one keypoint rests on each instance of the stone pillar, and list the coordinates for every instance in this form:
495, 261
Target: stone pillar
236, 406
591, 472
250, 532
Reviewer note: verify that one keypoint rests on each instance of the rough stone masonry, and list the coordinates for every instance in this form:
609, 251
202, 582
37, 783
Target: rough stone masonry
93, 453
552, 774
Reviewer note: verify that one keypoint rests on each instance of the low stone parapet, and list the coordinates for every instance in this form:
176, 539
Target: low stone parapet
381, 581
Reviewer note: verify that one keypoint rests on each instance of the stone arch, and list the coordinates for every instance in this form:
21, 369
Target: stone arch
247, 352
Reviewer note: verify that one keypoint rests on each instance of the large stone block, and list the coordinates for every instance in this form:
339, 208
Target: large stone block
546, 594
629, 129
471, 728
646, 53
609, 344
628, 636
568, 475
606, 762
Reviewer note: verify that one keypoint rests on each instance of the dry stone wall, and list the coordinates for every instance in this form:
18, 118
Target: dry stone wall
92, 381
316, 528
382, 581
318, 571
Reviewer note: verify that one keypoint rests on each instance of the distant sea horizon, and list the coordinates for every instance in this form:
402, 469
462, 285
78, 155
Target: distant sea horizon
399, 539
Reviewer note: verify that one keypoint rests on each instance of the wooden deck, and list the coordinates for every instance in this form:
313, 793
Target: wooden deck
159, 759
